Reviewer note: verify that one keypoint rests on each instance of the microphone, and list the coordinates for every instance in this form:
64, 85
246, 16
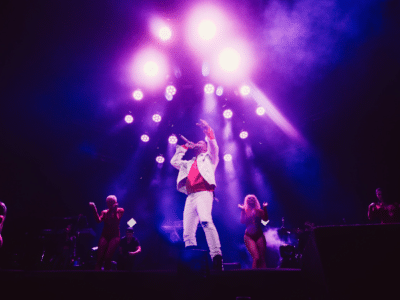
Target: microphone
185, 139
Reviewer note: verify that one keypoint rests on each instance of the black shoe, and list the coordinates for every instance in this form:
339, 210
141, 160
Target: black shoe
217, 263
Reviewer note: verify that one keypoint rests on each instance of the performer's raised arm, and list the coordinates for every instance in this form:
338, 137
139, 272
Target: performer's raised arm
210, 138
97, 217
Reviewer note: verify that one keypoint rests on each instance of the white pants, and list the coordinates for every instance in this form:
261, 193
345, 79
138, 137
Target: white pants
198, 207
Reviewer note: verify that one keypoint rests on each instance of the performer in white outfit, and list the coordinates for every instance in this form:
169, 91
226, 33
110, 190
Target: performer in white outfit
196, 178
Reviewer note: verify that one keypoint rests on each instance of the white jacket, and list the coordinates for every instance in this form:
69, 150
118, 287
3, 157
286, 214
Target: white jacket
206, 162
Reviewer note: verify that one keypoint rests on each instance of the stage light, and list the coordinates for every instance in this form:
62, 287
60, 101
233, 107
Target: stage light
243, 134
227, 114
169, 97
207, 29
172, 139
245, 90
131, 222
228, 157
170, 90
260, 111
220, 91
156, 118
208, 88
165, 33
150, 68
137, 95
128, 119
145, 138
229, 59
160, 159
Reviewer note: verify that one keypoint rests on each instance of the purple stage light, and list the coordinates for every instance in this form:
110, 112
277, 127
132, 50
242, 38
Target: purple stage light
160, 159
205, 69
208, 88
227, 114
207, 30
137, 95
169, 97
243, 134
145, 138
260, 111
165, 33
229, 59
170, 90
172, 139
245, 90
128, 119
219, 91
156, 118
150, 68
228, 157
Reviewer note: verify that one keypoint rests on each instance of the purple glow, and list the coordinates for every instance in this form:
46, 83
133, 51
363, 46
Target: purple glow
228, 157
160, 159
205, 69
227, 114
260, 111
243, 134
208, 88
137, 95
170, 90
165, 33
229, 59
128, 119
207, 29
149, 68
172, 139
169, 97
245, 90
220, 91
156, 118
145, 138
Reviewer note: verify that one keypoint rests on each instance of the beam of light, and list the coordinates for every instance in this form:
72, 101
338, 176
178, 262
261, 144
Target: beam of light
172, 139
156, 118
131, 222
227, 114
229, 59
210, 105
219, 91
128, 119
205, 69
243, 134
149, 68
170, 90
209, 88
161, 28
260, 111
137, 95
245, 90
145, 138
160, 159
273, 113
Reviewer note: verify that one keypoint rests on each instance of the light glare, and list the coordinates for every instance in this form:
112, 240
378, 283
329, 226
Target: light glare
207, 29
245, 90
160, 159
227, 114
229, 59
243, 134
165, 33
220, 91
260, 111
156, 118
138, 95
145, 138
228, 157
128, 119
170, 90
172, 139
150, 68
208, 88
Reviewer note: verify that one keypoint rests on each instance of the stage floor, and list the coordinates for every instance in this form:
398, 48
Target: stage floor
230, 285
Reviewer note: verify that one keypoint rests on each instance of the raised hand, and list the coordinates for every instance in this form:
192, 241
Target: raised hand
203, 125
265, 204
241, 206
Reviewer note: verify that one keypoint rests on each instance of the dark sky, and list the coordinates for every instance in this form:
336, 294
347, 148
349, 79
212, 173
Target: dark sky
330, 67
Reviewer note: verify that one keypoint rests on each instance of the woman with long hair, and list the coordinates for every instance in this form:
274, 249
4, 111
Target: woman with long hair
110, 236
254, 238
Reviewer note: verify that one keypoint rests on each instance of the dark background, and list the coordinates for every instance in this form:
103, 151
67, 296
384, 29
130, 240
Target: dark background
64, 96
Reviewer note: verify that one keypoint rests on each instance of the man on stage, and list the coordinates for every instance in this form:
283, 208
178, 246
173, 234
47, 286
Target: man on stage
196, 178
